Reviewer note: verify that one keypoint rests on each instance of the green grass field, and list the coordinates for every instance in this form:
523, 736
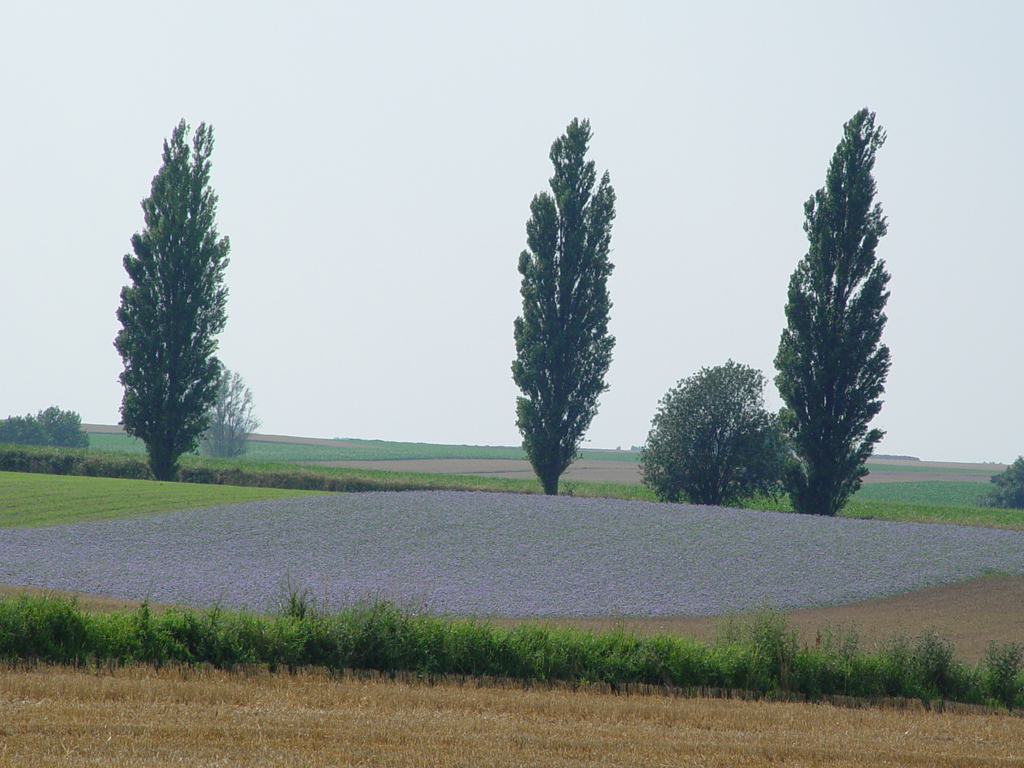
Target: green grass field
32, 500
942, 492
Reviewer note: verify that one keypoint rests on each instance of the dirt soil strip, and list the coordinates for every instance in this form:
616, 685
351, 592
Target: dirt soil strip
969, 614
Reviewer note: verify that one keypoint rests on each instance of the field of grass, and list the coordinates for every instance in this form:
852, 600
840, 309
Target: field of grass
989, 517
28, 500
949, 493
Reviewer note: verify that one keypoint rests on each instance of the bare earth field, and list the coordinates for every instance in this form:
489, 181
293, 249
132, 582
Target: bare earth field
175, 716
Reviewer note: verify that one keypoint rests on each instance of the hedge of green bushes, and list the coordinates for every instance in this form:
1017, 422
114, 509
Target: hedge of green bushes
760, 656
91, 463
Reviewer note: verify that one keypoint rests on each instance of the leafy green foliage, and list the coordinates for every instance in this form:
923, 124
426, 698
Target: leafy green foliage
761, 655
831, 363
231, 418
174, 308
563, 348
1009, 487
50, 427
1003, 666
712, 442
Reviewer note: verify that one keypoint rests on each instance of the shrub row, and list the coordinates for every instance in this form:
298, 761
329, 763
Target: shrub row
73, 461
91, 463
760, 656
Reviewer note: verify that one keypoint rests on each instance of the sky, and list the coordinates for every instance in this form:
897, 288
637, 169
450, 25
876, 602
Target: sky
375, 164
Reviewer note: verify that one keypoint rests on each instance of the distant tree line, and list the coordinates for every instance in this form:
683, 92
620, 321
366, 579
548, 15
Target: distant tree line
53, 427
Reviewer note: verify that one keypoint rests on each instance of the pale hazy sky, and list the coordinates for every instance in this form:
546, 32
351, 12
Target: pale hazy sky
375, 164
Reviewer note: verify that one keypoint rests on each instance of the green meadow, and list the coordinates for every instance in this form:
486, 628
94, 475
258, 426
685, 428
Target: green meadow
34, 499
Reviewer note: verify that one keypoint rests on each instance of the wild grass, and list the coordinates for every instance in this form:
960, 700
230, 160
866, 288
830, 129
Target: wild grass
761, 655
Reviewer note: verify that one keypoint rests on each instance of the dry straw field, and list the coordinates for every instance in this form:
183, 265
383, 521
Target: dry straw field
140, 716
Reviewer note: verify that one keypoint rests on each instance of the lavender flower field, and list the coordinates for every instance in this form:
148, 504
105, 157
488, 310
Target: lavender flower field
489, 554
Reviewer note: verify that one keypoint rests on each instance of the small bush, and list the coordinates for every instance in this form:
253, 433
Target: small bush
1002, 673
69, 461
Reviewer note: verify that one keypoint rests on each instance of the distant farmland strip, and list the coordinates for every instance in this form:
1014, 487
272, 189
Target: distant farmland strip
357, 450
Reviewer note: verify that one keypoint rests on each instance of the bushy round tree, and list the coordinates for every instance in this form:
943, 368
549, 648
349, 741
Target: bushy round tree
1008, 490
712, 441
50, 427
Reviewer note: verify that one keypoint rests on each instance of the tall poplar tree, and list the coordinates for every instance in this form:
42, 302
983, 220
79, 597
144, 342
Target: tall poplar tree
174, 307
563, 348
831, 363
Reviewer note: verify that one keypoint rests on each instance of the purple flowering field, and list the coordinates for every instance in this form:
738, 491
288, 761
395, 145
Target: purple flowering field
490, 554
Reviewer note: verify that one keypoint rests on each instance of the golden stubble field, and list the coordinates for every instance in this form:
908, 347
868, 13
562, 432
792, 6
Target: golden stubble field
140, 716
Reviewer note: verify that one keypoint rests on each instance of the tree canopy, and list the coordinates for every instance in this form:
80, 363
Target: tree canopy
1008, 487
174, 307
831, 363
563, 348
712, 441
50, 427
